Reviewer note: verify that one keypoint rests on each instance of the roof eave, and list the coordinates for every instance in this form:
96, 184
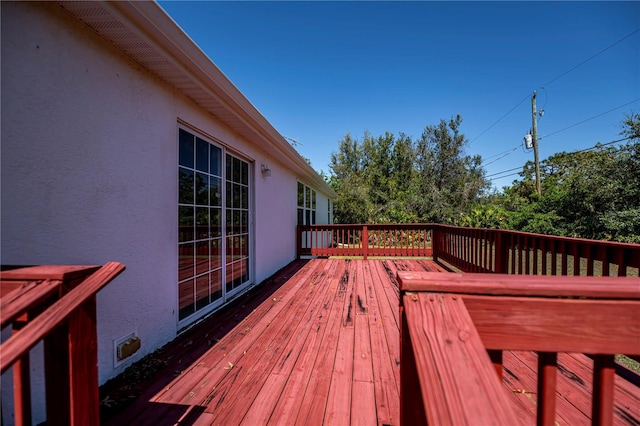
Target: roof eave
208, 86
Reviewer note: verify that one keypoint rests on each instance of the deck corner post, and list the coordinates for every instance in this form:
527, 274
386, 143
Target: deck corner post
435, 249
298, 241
365, 241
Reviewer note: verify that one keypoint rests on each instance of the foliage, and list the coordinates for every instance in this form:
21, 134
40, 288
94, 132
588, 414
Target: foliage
587, 194
394, 179
389, 179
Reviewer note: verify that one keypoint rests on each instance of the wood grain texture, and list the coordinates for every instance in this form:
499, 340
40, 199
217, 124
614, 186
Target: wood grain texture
518, 285
49, 272
457, 379
26, 298
311, 380
556, 325
37, 329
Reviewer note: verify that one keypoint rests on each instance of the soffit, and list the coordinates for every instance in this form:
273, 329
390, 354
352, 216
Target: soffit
144, 32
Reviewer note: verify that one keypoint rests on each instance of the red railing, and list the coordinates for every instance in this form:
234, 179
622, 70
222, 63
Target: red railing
450, 321
474, 250
410, 240
511, 252
57, 305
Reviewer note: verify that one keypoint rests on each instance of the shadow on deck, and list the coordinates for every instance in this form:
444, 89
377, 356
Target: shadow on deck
316, 344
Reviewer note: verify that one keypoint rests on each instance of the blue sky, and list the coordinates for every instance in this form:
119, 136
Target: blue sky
320, 70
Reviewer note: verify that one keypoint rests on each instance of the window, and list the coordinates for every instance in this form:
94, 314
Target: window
306, 205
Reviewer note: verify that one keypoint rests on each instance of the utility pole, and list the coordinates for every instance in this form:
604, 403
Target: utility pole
534, 135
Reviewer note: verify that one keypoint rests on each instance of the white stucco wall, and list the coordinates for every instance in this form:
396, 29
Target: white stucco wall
89, 172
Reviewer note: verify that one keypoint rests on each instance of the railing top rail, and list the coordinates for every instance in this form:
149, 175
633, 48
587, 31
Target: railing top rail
369, 225
48, 272
24, 298
44, 323
528, 285
545, 236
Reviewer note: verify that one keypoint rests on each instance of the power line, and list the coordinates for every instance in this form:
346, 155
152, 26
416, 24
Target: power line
553, 80
590, 58
598, 145
504, 154
505, 176
588, 119
496, 155
500, 119
504, 171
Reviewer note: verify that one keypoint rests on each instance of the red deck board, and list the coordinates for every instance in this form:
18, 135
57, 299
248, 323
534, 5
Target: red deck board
334, 365
304, 359
288, 406
260, 357
386, 395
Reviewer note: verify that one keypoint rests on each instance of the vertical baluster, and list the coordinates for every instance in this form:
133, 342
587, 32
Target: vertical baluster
576, 259
21, 384
604, 255
513, 245
516, 254
554, 258
590, 259
527, 255
622, 267
547, 369
543, 253
603, 388
536, 257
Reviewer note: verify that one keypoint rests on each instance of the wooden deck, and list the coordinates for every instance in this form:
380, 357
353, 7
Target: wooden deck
318, 344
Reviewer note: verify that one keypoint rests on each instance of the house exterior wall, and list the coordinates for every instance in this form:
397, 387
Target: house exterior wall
89, 172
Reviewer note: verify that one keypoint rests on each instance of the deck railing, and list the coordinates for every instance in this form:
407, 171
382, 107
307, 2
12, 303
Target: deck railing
391, 240
473, 249
455, 327
511, 252
56, 305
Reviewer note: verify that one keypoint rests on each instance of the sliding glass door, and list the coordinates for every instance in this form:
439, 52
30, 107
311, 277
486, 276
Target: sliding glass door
213, 225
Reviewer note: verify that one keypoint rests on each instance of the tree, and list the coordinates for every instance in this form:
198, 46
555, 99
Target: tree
388, 179
631, 126
587, 194
448, 182
348, 181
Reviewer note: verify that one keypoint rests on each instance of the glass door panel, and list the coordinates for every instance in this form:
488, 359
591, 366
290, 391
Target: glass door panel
237, 223
200, 218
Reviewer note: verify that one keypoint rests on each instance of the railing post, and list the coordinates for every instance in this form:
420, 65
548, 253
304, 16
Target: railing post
603, 389
435, 248
298, 241
83, 365
365, 241
501, 254
21, 385
547, 374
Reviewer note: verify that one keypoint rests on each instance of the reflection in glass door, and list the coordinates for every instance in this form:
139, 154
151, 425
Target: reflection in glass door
207, 234
237, 223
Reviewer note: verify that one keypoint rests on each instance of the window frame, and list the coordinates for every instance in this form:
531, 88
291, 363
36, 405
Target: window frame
307, 202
